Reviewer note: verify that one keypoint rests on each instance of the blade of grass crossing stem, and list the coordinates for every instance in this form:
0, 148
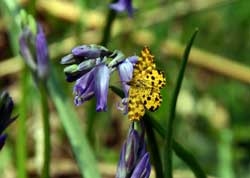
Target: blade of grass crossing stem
82, 151
180, 151
169, 132
154, 149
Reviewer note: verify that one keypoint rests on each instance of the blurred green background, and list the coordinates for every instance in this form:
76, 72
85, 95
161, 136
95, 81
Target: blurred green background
213, 115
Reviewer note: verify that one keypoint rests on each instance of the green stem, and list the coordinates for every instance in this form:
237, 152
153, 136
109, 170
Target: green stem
154, 149
22, 134
46, 130
91, 118
169, 133
107, 29
225, 158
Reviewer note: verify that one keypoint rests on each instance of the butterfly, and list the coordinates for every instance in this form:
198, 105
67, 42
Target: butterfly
145, 86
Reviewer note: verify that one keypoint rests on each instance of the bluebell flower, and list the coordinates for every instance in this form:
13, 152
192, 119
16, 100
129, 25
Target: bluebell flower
125, 70
143, 168
34, 49
102, 77
90, 66
123, 5
93, 83
90, 52
86, 64
82, 59
84, 88
42, 54
134, 159
6, 107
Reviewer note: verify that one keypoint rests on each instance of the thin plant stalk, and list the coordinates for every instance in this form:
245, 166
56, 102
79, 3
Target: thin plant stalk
91, 117
46, 130
21, 146
154, 148
169, 132
108, 26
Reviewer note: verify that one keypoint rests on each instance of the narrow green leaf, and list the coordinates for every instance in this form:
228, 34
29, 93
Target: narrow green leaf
81, 148
46, 129
169, 132
117, 91
21, 146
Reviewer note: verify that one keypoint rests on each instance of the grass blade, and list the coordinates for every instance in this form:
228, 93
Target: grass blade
82, 151
169, 132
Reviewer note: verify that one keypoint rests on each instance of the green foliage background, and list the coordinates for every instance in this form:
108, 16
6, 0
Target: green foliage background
213, 107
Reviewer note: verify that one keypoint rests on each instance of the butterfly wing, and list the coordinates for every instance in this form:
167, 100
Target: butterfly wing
135, 106
145, 86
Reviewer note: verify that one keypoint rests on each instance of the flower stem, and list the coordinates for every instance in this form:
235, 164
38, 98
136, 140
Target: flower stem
154, 149
107, 29
46, 130
169, 132
22, 134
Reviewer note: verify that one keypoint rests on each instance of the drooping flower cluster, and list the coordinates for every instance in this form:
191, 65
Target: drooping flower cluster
134, 159
90, 66
6, 107
33, 46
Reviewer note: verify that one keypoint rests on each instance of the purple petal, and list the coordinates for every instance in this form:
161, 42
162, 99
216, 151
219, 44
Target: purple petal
102, 77
123, 5
121, 169
90, 51
86, 95
125, 70
2, 140
42, 53
133, 59
132, 150
118, 6
84, 88
122, 105
143, 168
